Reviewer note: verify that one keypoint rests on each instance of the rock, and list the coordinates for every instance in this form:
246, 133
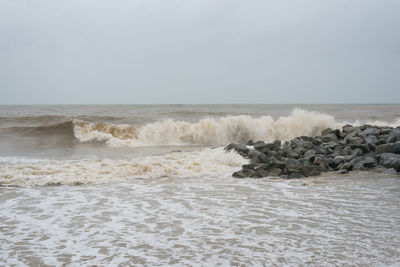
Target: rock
274, 171
260, 146
293, 165
368, 162
240, 149
385, 130
309, 153
355, 148
294, 175
275, 163
371, 139
316, 142
371, 146
385, 170
348, 128
357, 152
261, 173
371, 130
336, 132
384, 148
386, 156
250, 143
314, 173
390, 171
298, 143
396, 148
329, 137
390, 160
244, 173
277, 144
350, 136
346, 151
337, 160
326, 131
394, 136
256, 156
342, 171
250, 166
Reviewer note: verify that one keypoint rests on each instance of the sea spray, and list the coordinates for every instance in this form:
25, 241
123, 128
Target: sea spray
208, 131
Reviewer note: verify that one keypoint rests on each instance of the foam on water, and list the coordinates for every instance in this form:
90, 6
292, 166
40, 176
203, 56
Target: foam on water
214, 131
206, 162
209, 131
351, 220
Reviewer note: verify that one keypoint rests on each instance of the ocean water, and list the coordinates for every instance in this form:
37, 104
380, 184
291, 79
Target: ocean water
152, 186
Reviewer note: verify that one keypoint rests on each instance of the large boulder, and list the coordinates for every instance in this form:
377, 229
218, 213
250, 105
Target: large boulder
384, 148
390, 160
239, 148
256, 156
393, 136
244, 173
370, 131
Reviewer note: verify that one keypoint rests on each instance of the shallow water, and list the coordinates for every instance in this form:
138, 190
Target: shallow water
351, 220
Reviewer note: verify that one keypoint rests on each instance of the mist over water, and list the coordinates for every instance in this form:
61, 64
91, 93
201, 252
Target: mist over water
152, 185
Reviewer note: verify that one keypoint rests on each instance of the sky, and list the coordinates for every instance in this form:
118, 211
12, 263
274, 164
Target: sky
194, 52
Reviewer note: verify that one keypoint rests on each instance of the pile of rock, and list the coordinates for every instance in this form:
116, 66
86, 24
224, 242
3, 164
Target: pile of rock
360, 148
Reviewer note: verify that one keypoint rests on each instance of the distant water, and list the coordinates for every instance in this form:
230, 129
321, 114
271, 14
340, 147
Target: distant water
152, 185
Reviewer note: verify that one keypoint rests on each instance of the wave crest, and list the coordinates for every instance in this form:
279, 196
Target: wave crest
209, 131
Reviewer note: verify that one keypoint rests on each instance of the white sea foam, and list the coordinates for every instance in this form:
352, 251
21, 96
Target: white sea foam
209, 131
208, 162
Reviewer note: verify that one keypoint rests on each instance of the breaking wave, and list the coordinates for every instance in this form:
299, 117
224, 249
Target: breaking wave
207, 162
208, 131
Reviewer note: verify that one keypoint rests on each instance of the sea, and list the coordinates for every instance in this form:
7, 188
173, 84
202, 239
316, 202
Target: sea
151, 185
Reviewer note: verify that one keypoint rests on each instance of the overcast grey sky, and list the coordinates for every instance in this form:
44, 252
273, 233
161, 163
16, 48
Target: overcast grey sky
208, 51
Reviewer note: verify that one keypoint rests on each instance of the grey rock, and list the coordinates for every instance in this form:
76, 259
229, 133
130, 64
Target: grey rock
393, 136
326, 131
396, 148
385, 170
274, 172
239, 148
368, 162
295, 175
293, 165
371, 130
387, 156
256, 156
277, 144
356, 140
371, 139
298, 143
275, 163
250, 166
244, 173
384, 148
357, 152
348, 128
309, 153
329, 137
350, 136
386, 130
337, 160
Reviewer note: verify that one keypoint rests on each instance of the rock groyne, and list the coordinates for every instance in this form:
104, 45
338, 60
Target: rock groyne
353, 148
